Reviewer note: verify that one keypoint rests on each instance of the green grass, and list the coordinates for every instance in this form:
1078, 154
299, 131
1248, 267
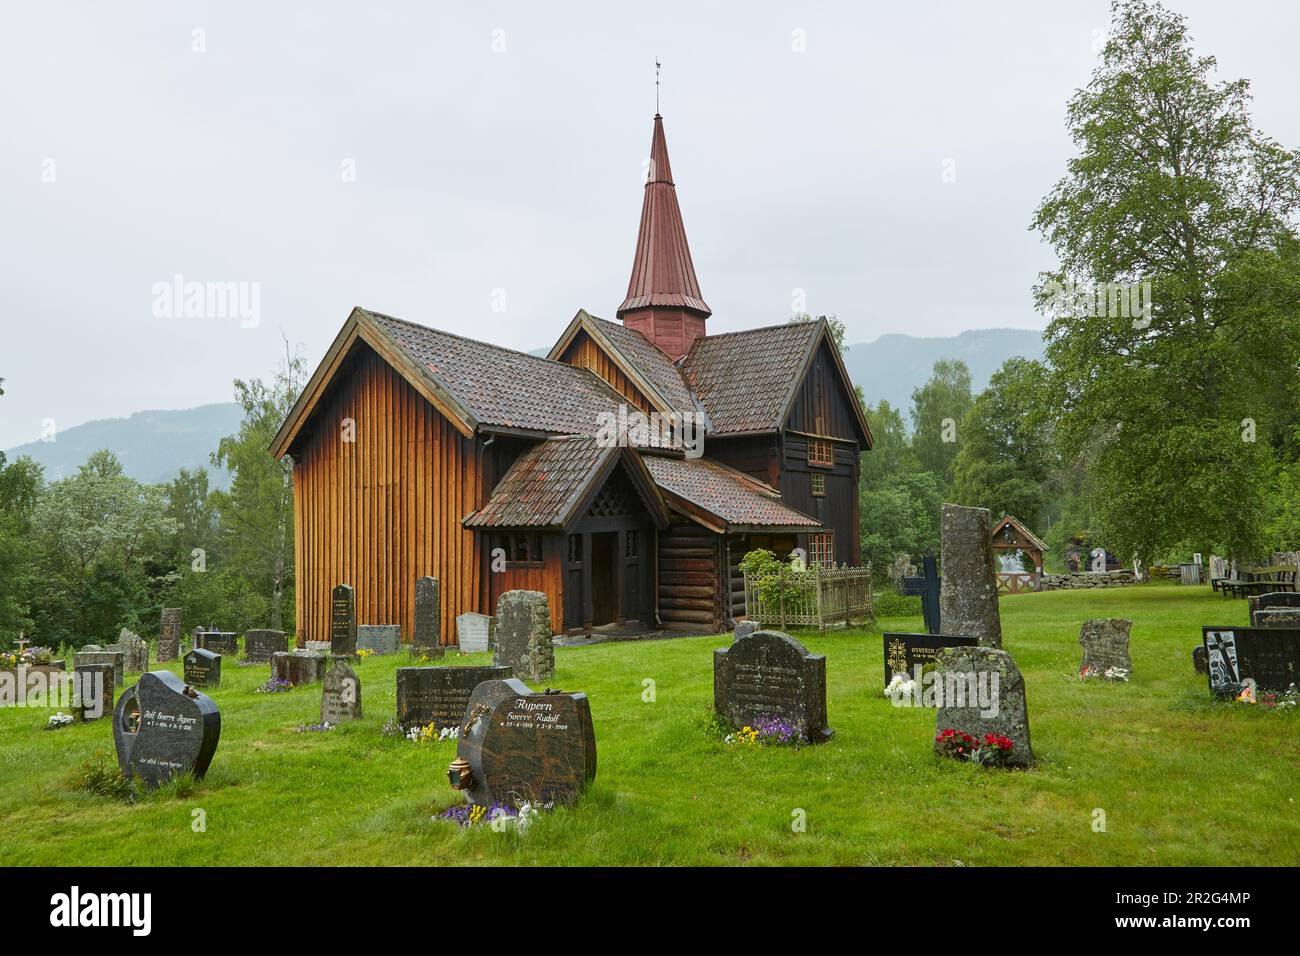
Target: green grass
1182, 779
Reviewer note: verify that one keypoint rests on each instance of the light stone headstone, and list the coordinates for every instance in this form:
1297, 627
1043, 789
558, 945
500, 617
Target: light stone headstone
981, 692
523, 635
473, 632
968, 597
1105, 646
340, 695
380, 638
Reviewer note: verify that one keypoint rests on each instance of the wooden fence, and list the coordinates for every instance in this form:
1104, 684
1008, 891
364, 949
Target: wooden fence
1013, 582
814, 597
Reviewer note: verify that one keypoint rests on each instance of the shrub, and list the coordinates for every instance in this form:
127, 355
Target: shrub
100, 775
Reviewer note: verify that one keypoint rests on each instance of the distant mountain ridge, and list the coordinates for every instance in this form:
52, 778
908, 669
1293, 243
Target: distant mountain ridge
152, 446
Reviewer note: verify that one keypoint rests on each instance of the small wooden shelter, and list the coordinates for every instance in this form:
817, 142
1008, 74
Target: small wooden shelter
1010, 535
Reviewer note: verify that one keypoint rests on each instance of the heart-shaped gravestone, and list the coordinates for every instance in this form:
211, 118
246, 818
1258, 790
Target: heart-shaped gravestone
163, 727
523, 747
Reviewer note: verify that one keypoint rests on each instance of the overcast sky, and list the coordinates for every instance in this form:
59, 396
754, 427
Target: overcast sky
477, 167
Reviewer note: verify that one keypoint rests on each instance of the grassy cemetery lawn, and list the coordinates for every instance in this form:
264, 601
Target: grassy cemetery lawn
1181, 779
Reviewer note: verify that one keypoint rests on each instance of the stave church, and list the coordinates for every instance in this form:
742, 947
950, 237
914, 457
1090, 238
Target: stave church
418, 452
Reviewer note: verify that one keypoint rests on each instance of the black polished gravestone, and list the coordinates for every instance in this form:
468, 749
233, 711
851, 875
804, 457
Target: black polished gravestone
519, 747
1269, 656
906, 652
440, 695
260, 644
927, 586
343, 621
202, 668
218, 642
769, 674
163, 727
1273, 600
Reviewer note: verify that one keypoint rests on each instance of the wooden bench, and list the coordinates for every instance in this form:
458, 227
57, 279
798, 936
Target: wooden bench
1261, 580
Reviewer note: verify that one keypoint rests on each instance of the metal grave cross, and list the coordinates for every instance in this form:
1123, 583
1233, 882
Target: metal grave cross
927, 586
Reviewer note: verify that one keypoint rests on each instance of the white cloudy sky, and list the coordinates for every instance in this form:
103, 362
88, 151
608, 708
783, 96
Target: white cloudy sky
520, 170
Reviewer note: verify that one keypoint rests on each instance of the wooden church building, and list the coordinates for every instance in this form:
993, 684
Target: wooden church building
419, 452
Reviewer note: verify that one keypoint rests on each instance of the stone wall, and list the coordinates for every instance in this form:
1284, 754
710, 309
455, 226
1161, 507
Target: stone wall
1086, 579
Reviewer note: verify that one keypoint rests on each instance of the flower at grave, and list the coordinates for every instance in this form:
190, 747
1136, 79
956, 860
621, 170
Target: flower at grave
448, 733
901, 687
276, 685
58, 721
1116, 673
366, 652
1086, 671
991, 751
1247, 695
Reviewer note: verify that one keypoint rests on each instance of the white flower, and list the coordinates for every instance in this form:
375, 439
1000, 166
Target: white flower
59, 719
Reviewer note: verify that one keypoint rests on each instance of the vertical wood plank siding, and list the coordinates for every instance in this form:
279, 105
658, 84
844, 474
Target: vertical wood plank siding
382, 511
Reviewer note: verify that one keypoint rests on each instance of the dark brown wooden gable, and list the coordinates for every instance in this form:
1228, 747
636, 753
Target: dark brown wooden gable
823, 404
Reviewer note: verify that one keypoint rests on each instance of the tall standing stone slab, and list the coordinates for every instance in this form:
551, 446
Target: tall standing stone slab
379, 638
427, 639
439, 695
163, 727
298, 667
769, 674
968, 596
523, 635
343, 621
135, 651
202, 668
340, 699
169, 635
261, 643
981, 692
114, 659
519, 747
1105, 647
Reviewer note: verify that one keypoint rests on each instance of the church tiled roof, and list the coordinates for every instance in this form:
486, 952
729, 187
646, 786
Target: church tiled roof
740, 501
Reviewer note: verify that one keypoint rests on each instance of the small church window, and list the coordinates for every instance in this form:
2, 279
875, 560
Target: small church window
630, 548
820, 452
818, 484
821, 548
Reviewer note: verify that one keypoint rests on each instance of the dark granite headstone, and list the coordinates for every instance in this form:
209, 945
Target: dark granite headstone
770, 674
523, 635
1270, 656
1269, 601
202, 668
380, 638
163, 727
523, 747
427, 639
1277, 617
1105, 646
980, 691
93, 690
169, 635
298, 667
135, 651
218, 642
904, 653
340, 695
115, 659
260, 644
968, 597
927, 586
439, 695
343, 621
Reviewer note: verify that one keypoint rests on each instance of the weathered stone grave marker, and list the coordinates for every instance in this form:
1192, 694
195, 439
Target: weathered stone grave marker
968, 596
427, 639
93, 690
135, 651
519, 747
298, 667
218, 642
114, 659
1105, 648
439, 695
163, 727
523, 635
769, 674
980, 691
202, 668
169, 635
473, 632
380, 638
343, 621
261, 643
1273, 600
340, 694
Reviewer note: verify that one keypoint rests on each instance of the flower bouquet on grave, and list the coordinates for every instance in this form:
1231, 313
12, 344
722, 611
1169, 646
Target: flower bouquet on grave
992, 751
275, 685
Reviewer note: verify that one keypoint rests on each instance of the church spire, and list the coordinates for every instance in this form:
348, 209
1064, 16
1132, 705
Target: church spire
663, 295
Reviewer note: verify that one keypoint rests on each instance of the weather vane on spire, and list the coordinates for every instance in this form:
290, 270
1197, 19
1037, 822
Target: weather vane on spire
657, 66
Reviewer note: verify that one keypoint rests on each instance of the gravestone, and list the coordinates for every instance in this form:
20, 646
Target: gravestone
298, 667
261, 643
520, 747
981, 692
1269, 601
439, 695
135, 651
202, 668
1200, 660
218, 642
343, 621
1270, 656
927, 586
769, 674
523, 635
968, 597
93, 690
163, 727
1105, 645
473, 632
115, 659
340, 695
909, 654
744, 629
169, 635
427, 639
317, 647
1277, 617
380, 638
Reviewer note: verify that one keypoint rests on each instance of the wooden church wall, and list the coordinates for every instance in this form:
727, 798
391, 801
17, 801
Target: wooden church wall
385, 509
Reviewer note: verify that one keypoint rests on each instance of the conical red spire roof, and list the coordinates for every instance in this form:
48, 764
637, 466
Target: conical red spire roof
662, 272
